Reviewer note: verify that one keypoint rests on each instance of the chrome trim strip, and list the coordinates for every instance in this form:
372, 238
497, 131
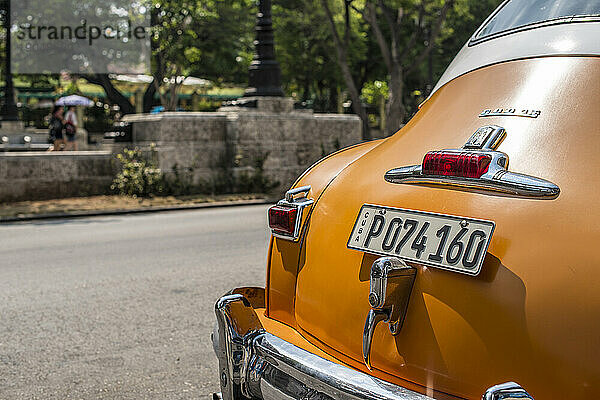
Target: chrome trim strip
484, 141
501, 181
506, 391
571, 19
257, 364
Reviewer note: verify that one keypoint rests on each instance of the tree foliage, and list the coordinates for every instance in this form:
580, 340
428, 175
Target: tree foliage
407, 33
407, 44
403, 44
211, 39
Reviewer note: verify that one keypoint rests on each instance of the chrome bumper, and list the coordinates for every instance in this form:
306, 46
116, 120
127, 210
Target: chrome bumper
256, 364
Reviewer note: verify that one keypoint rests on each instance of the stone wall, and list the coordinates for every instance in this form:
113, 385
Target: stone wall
47, 175
183, 140
274, 142
226, 151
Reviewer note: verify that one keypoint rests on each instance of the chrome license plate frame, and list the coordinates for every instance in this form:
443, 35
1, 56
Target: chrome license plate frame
380, 229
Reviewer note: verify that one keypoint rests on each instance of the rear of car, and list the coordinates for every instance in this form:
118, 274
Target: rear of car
454, 258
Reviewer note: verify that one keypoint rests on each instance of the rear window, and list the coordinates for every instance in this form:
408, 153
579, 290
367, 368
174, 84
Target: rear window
516, 14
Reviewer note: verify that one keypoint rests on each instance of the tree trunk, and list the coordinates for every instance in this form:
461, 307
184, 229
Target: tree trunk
357, 106
148, 101
395, 110
112, 94
342, 59
306, 90
174, 96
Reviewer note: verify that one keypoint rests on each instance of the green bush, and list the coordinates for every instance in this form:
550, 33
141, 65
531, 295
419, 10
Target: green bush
139, 176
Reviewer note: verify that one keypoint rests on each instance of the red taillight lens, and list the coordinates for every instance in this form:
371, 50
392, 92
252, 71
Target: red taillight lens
283, 219
466, 165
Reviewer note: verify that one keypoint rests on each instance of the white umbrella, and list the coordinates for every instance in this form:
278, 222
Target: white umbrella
193, 81
132, 78
74, 100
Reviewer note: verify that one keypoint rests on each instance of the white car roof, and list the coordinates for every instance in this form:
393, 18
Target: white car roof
563, 39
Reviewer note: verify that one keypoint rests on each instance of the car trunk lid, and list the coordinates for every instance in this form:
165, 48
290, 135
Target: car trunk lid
464, 333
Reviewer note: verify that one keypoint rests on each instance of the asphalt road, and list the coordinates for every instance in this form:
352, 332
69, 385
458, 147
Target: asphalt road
121, 307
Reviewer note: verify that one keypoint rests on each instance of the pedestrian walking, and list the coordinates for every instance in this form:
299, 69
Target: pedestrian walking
56, 127
71, 128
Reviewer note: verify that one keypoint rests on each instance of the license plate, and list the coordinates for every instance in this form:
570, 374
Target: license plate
444, 241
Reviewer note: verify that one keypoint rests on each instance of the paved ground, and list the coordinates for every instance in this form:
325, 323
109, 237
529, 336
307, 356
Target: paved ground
121, 307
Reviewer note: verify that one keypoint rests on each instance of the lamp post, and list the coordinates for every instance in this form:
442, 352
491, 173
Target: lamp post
264, 73
9, 110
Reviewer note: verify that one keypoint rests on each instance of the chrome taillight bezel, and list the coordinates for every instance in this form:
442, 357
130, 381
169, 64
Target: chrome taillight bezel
301, 204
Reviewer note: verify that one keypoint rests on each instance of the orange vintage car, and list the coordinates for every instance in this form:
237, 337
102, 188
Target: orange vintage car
454, 259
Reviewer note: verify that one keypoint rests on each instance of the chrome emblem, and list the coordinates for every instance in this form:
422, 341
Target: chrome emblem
486, 138
510, 112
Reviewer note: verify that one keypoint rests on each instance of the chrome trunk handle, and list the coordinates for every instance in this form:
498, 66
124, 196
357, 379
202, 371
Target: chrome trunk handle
374, 317
390, 286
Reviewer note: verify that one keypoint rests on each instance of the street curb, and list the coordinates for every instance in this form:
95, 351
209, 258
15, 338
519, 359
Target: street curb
85, 214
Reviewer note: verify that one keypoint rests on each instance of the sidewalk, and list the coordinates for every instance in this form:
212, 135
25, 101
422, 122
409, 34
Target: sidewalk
117, 205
